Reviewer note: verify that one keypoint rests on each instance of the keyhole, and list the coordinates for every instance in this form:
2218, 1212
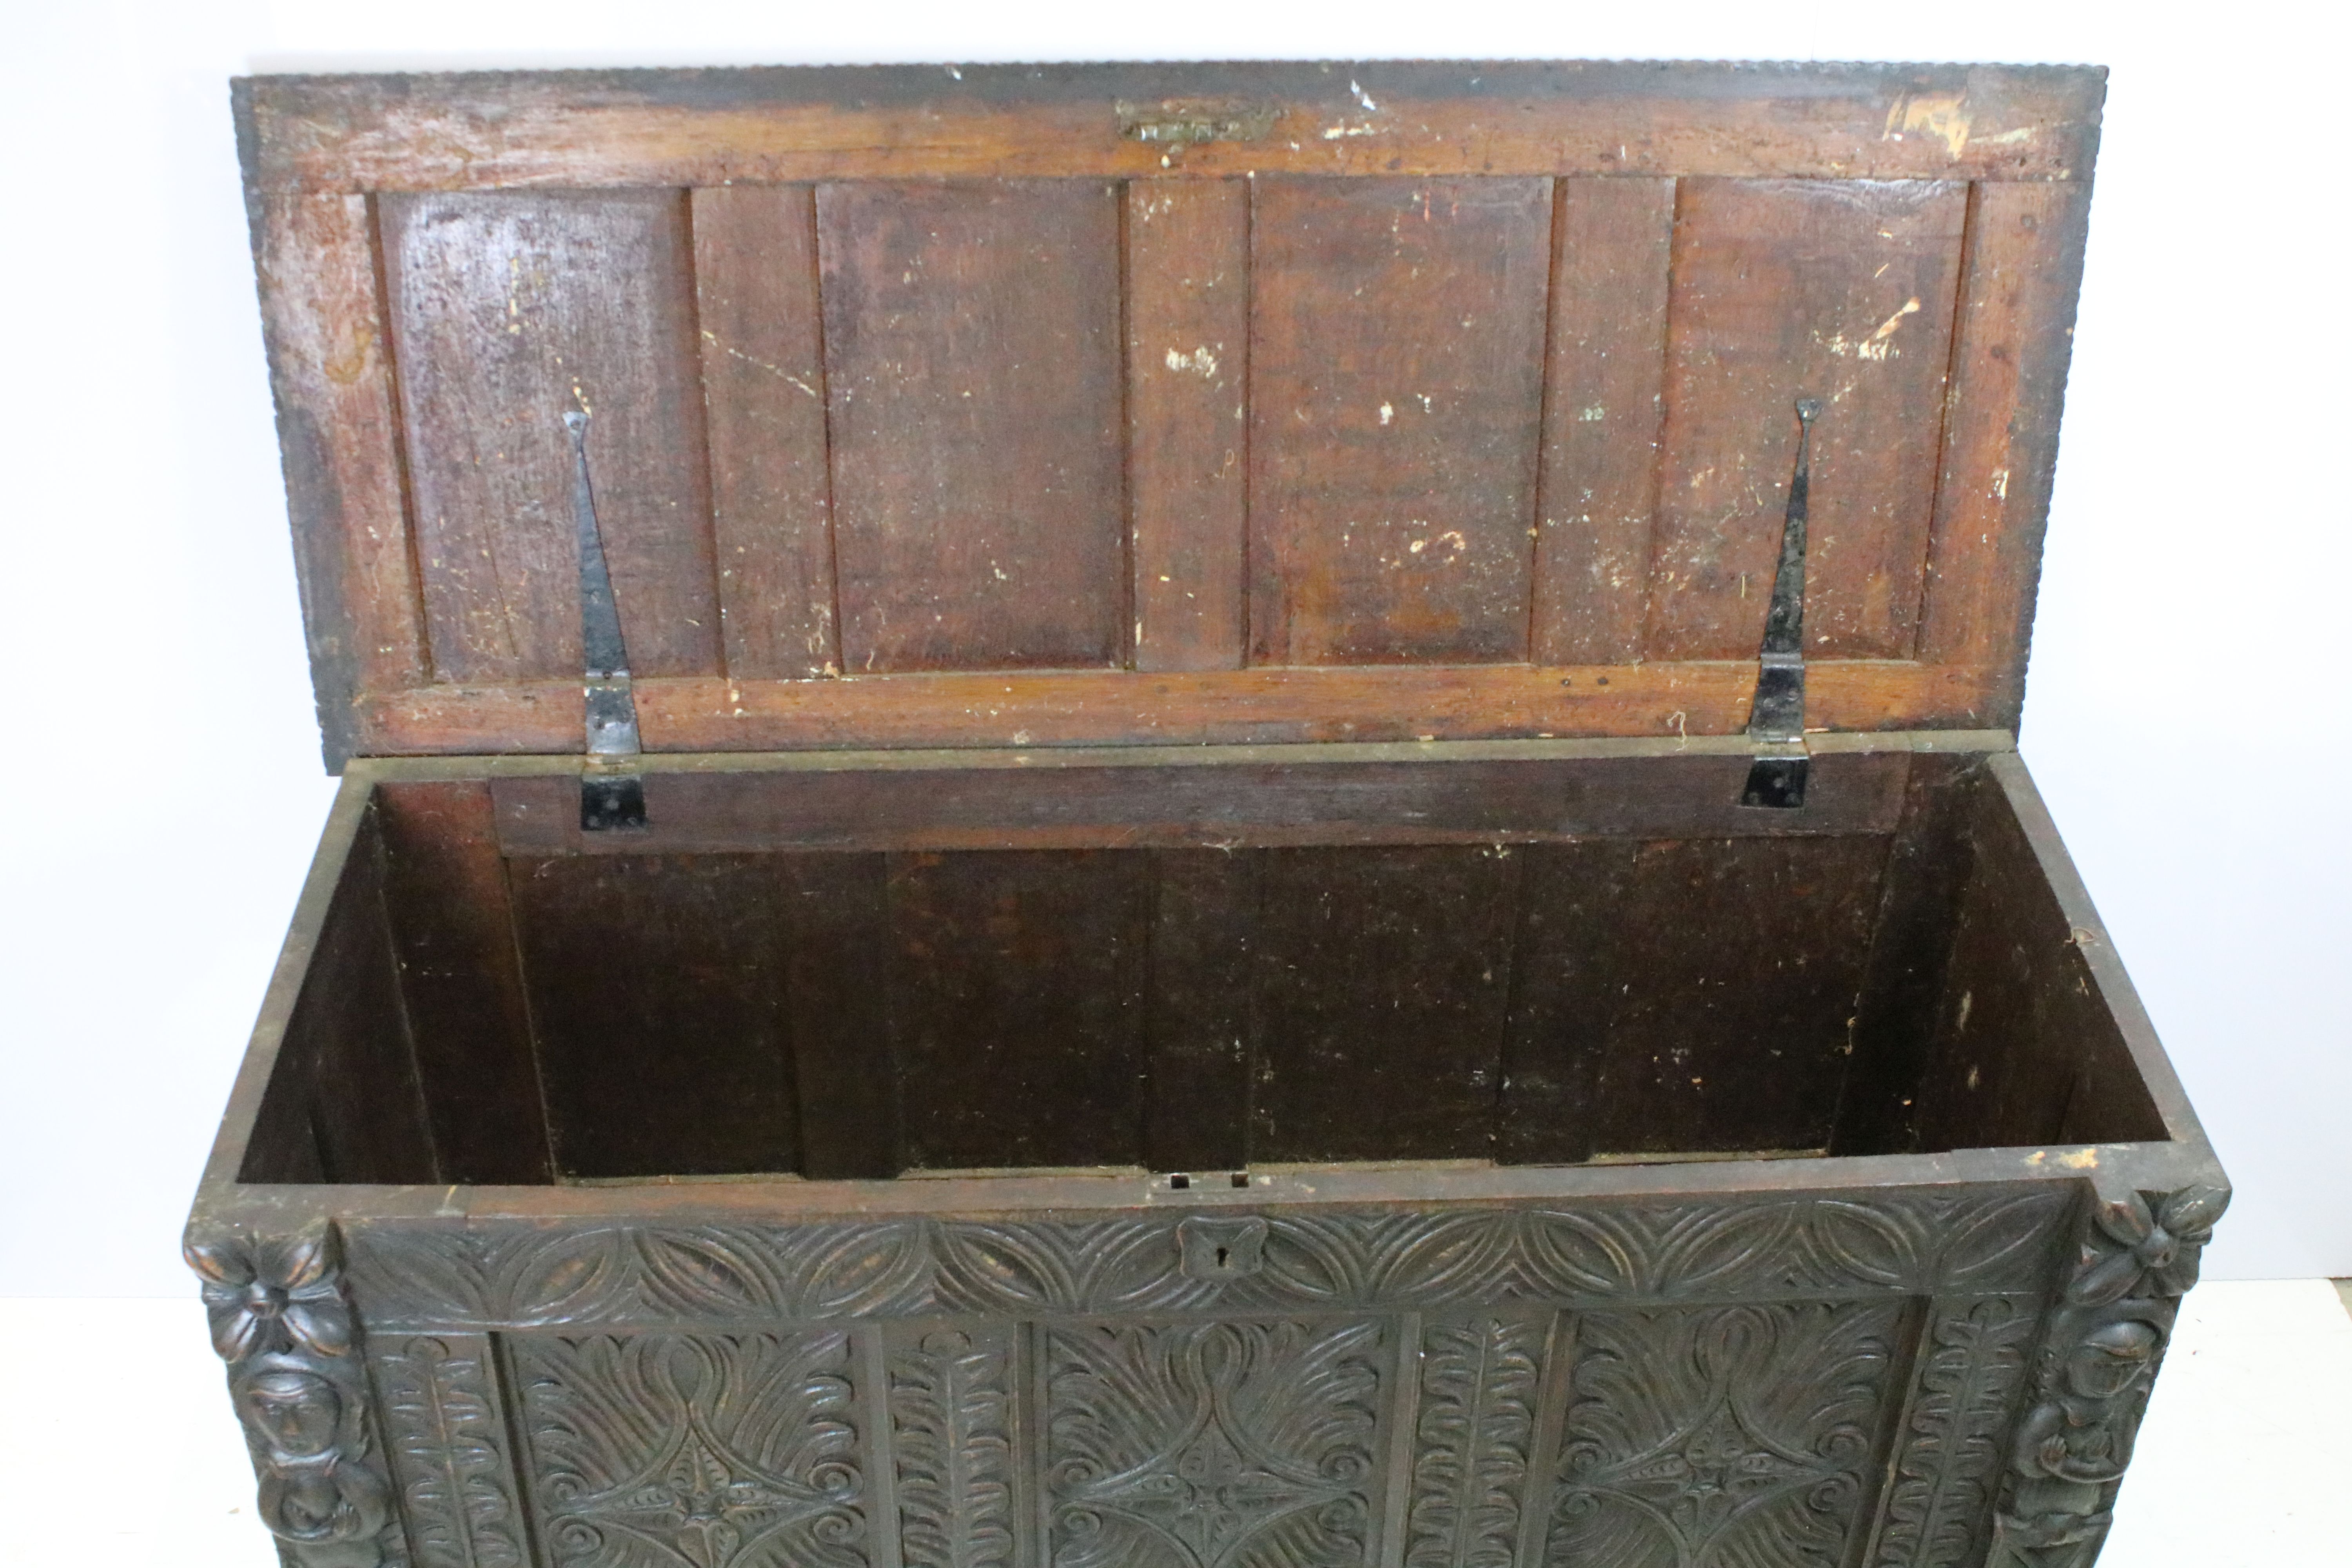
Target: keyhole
1223, 1254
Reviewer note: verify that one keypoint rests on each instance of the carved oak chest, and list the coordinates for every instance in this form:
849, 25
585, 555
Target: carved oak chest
1185, 816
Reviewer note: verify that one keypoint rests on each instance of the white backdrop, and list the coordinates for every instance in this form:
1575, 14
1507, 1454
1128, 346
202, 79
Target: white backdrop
165, 790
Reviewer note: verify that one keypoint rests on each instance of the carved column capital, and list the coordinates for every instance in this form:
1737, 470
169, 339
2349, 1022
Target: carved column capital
2135, 1255
280, 1321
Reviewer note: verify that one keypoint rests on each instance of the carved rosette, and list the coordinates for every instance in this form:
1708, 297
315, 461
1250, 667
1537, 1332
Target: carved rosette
2101, 1342
280, 1321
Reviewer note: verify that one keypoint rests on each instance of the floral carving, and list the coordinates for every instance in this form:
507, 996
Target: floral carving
280, 1319
703, 1451
1948, 1467
1477, 1429
1721, 1436
448, 1452
1222, 1445
431, 1277
950, 1418
2101, 1344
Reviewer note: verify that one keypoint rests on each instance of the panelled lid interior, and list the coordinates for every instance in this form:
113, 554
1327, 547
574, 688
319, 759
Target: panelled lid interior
1123, 404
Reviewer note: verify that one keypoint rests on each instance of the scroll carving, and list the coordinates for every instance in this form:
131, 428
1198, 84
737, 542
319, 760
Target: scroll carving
431, 1277
708, 1451
448, 1452
1949, 1470
2101, 1342
1734, 1434
1220, 1445
951, 1431
280, 1321
1479, 1378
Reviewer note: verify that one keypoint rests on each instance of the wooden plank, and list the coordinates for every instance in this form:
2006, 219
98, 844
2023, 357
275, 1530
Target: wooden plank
1188, 325
2015, 333
762, 338
348, 1054
338, 431
1200, 1013
1843, 291
1383, 983
1430, 118
1564, 985
1604, 411
1396, 370
461, 982
972, 354
1736, 966
1894, 1028
1236, 707
1016, 990
508, 311
2024, 1049
1210, 805
656, 987
835, 913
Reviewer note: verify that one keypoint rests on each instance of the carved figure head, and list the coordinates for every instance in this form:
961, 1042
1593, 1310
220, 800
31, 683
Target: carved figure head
299, 1413
2110, 1363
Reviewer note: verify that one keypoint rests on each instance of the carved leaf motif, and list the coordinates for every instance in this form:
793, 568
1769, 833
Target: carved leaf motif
1209, 1444
950, 1407
1950, 1465
1719, 1435
449, 1450
436, 1277
1478, 1382
703, 1271
716, 1451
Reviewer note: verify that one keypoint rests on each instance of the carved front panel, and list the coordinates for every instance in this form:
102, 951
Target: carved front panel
1721, 1437
703, 1451
447, 1437
1216, 1445
1481, 1377
952, 1419
1970, 1377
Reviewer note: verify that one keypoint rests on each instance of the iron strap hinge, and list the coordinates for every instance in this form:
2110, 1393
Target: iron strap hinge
612, 791
1776, 720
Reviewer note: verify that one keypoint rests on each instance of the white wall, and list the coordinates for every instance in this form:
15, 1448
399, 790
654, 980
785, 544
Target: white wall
165, 790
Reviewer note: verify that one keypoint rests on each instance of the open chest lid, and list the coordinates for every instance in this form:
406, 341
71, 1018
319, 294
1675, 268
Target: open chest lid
1122, 404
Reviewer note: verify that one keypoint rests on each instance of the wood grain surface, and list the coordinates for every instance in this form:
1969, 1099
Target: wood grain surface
509, 310
1396, 375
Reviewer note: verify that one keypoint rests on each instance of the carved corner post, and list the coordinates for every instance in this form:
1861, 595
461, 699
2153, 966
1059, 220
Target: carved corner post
280, 1321
2101, 1342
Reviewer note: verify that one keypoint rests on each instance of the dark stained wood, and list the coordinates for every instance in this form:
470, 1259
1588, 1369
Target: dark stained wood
1604, 408
1738, 967
762, 343
331, 371
1383, 979
2025, 1050
2015, 330
1564, 985
1016, 1003
1399, 702
506, 310
1927, 865
1200, 1010
1188, 327
461, 980
835, 915
1843, 291
655, 988
1432, 118
1294, 801
973, 355
1395, 369
347, 1077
